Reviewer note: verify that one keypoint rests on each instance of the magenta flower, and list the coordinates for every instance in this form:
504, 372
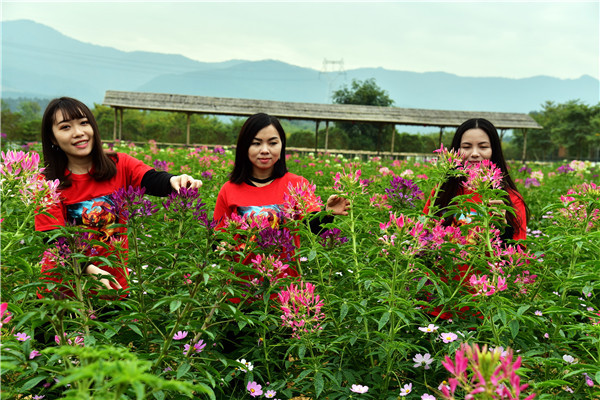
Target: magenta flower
180, 335
300, 200
22, 337
198, 347
484, 174
448, 337
359, 389
34, 354
254, 388
301, 308
5, 316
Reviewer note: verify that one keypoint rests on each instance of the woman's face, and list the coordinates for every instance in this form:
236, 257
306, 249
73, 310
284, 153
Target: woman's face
264, 152
475, 146
74, 137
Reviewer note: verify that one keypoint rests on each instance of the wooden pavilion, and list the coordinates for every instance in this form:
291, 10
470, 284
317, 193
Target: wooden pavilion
382, 116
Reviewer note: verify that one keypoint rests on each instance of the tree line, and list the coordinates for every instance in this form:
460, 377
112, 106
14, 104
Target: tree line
570, 130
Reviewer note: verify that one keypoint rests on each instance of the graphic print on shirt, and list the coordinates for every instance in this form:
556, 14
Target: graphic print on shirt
95, 214
270, 211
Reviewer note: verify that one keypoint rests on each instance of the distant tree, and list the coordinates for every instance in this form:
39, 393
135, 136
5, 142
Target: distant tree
365, 136
10, 123
570, 130
30, 111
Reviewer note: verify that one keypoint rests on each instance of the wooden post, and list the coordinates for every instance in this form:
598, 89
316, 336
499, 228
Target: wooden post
121, 124
379, 130
441, 133
115, 126
393, 137
326, 134
524, 146
502, 132
187, 133
317, 138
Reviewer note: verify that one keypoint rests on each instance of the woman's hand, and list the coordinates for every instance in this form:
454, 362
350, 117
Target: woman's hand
97, 273
337, 205
186, 181
502, 211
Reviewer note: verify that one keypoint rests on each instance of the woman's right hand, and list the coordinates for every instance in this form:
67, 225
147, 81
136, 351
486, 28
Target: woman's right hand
97, 273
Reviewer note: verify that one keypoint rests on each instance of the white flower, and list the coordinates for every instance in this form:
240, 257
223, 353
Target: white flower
422, 360
569, 359
428, 328
427, 396
406, 389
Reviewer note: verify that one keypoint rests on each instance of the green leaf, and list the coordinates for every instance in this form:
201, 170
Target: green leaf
598, 377
174, 306
318, 384
343, 311
383, 320
522, 309
312, 255
160, 395
514, 328
30, 384
183, 369
135, 329
422, 283
301, 351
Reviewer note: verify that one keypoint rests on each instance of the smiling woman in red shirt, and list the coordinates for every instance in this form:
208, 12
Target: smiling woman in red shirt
88, 176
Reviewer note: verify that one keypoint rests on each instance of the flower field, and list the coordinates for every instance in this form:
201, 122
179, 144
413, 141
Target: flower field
389, 303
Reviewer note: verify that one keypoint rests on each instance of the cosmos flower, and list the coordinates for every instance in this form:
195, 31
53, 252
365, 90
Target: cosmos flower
254, 388
359, 389
180, 335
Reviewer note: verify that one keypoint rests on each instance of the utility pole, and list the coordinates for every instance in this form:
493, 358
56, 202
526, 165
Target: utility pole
332, 70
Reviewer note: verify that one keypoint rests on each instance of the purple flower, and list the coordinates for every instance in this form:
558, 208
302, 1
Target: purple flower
187, 200
130, 203
207, 175
254, 388
525, 169
219, 150
359, 389
161, 165
563, 169
33, 354
403, 192
332, 238
531, 182
180, 335
588, 380
277, 240
22, 337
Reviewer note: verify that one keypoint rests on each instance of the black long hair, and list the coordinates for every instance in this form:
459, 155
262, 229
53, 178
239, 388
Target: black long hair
450, 187
56, 160
242, 169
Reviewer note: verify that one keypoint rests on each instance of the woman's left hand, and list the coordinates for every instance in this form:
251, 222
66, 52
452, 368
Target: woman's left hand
337, 205
501, 211
186, 181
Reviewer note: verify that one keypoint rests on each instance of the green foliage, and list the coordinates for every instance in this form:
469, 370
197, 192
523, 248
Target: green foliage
376, 295
570, 130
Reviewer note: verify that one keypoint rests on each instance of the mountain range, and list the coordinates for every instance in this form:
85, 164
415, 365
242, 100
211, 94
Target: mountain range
38, 61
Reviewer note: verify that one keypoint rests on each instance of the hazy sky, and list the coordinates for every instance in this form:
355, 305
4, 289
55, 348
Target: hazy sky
511, 39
